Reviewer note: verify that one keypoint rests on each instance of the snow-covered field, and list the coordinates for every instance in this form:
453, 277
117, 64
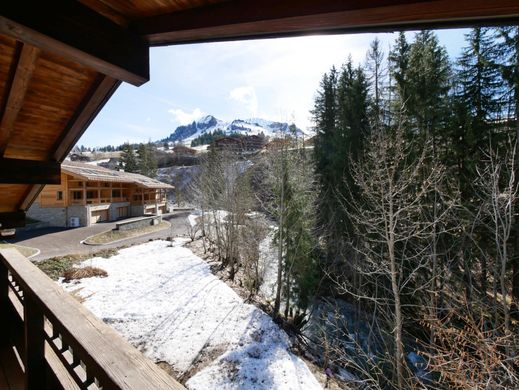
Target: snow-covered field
166, 301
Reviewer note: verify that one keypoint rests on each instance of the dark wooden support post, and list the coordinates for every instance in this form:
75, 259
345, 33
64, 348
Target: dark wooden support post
34, 344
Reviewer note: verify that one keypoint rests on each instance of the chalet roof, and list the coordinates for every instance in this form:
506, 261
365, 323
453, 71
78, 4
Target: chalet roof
97, 173
61, 60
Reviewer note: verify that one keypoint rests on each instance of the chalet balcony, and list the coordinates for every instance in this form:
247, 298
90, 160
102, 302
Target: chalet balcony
48, 340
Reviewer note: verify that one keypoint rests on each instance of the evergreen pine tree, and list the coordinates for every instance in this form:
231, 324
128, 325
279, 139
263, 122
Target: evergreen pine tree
428, 83
325, 119
475, 106
399, 66
376, 75
147, 164
128, 160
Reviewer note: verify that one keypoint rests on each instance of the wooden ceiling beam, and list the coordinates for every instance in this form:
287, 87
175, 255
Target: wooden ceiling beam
30, 196
22, 68
74, 31
102, 89
242, 19
92, 103
16, 171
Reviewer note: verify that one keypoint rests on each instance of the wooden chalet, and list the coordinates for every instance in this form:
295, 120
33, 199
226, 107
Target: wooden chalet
241, 145
182, 150
89, 194
60, 61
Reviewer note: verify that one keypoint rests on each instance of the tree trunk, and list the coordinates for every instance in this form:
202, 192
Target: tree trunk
399, 349
515, 258
277, 302
287, 298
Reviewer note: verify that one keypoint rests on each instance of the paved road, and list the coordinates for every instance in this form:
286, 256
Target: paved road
61, 241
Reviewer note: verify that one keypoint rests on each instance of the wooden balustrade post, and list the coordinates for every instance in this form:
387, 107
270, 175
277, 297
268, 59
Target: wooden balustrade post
4, 299
34, 344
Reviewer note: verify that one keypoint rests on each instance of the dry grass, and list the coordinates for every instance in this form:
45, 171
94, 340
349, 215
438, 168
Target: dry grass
115, 235
56, 267
84, 272
24, 250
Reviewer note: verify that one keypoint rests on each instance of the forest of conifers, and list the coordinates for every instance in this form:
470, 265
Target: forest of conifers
407, 208
418, 206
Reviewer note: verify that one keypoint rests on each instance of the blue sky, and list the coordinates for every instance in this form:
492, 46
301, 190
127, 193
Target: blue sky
273, 79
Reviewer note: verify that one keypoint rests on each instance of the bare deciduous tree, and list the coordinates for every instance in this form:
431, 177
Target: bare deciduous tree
394, 235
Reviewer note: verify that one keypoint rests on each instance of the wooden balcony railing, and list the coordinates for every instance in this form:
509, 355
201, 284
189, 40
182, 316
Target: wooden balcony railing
62, 344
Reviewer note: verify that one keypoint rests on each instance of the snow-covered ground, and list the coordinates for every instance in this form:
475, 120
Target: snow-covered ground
268, 261
166, 301
97, 162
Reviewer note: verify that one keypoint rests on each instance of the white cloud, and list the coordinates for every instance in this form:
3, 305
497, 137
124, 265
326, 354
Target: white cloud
247, 96
184, 117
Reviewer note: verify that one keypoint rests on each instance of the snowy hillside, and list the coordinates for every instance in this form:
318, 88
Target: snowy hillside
210, 124
166, 301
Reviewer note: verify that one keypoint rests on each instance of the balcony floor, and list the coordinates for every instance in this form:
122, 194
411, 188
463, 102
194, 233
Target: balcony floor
11, 374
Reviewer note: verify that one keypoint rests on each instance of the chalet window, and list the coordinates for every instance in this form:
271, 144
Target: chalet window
59, 195
91, 194
77, 195
116, 193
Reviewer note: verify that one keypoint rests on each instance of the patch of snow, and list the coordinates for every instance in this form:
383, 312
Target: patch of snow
200, 148
97, 162
193, 219
166, 301
268, 262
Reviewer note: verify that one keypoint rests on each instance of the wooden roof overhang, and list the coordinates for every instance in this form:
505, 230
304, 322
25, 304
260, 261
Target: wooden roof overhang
61, 60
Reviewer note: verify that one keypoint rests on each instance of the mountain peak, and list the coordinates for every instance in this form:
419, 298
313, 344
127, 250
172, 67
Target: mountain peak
207, 119
210, 124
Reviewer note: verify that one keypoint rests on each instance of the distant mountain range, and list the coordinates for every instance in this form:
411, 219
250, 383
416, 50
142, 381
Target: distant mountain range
208, 124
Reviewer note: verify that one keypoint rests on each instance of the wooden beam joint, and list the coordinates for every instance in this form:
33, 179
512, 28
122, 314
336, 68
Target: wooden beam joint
76, 32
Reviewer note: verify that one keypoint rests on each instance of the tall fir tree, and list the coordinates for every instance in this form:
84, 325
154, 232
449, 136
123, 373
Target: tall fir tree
428, 83
128, 160
376, 76
398, 67
475, 105
325, 119
147, 164
341, 117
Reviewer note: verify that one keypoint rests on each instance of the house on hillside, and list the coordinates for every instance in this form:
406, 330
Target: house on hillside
232, 144
79, 157
112, 163
252, 143
89, 194
280, 143
243, 145
182, 150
